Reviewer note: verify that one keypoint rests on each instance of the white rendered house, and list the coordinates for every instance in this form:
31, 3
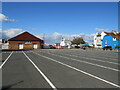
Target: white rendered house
98, 39
65, 43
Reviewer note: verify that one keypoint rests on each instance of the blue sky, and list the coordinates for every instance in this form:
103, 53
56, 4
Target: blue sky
57, 19
61, 17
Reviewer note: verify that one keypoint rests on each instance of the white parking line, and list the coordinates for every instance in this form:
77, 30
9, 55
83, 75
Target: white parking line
6, 60
80, 70
83, 54
49, 82
86, 62
112, 59
92, 59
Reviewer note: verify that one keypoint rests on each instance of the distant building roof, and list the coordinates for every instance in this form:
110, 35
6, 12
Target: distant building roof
98, 34
114, 31
105, 32
114, 34
26, 36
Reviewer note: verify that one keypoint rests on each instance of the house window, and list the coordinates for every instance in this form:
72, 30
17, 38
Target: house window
114, 39
106, 42
28, 42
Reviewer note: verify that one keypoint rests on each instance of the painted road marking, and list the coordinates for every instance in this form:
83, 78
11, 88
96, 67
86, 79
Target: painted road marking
49, 82
82, 53
6, 60
92, 59
86, 62
112, 59
80, 70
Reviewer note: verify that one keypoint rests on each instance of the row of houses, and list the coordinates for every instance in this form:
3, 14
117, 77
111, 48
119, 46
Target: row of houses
26, 40
104, 39
101, 40
29, 41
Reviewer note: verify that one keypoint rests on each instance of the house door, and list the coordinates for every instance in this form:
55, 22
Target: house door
35, 46
20, 46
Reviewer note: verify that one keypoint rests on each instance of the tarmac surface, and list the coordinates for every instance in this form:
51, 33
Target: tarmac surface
64, 68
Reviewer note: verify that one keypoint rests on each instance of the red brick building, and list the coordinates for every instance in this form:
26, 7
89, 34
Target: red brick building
25, 41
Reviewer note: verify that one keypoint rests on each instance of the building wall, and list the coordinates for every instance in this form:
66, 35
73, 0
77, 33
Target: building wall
98, 40
14, 45
65, 42
108, 41
5, 45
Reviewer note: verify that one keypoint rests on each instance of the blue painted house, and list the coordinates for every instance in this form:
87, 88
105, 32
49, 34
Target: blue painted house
111, 39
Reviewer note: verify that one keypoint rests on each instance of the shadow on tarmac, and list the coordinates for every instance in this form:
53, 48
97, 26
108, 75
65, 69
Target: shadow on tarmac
9, 86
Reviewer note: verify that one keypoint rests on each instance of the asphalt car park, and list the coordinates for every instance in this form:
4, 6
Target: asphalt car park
63, 68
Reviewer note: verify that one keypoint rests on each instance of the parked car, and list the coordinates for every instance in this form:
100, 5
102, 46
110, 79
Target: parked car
83, 47
52, 47
90, 47
77, 46
58, 47
107, 48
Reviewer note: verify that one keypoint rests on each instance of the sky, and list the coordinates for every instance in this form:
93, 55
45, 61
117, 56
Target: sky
61, 0
56, 19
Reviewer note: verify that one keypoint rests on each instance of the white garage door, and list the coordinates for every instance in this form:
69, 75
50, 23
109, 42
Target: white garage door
20, 46
35, 46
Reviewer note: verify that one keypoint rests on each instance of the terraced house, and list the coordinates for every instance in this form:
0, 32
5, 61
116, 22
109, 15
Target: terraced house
25, 41
112, 39
98, 39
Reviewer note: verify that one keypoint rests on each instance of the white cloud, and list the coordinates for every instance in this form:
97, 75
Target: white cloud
102, 30
56, 37
48, 38
9, 33
5, 18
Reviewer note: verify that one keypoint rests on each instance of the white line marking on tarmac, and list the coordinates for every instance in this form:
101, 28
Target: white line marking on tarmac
86, 62
93, 59
112, 59
82, 53
80, 70
49, 82
6, 60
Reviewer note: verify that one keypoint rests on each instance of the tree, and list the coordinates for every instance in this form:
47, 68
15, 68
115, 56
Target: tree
78, 40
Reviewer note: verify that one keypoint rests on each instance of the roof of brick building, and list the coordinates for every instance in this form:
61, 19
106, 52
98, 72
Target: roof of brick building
25, 36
